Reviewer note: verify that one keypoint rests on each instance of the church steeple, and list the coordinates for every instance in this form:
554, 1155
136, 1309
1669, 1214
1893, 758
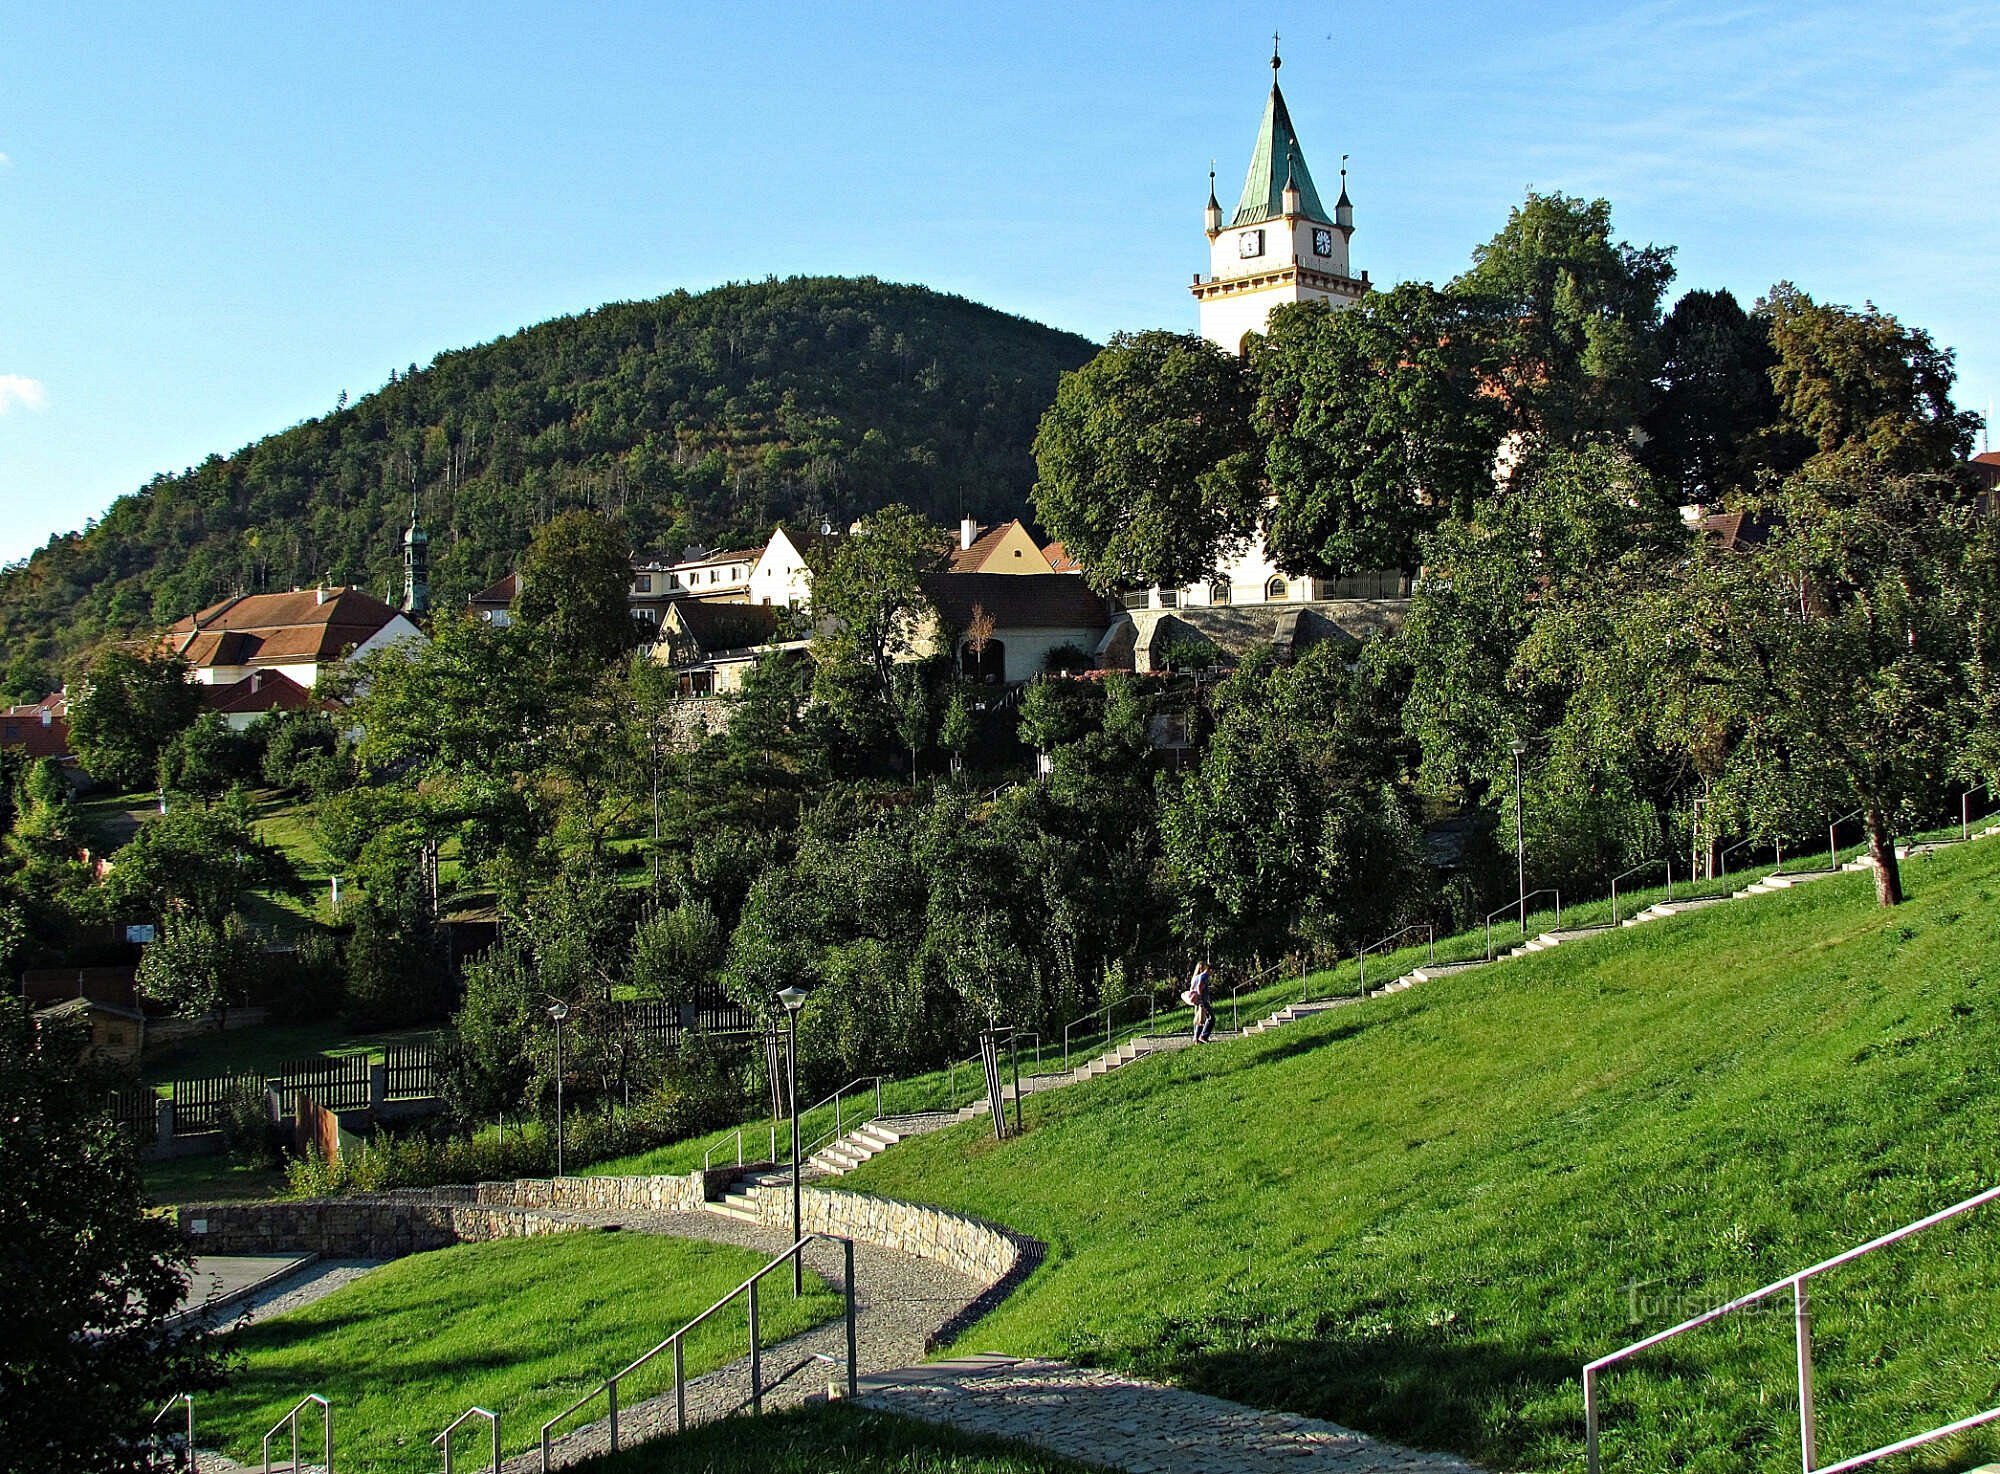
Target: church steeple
416, 565
1276, 158
1282, 245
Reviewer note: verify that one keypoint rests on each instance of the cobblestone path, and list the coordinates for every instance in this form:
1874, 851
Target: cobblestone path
1141, 1427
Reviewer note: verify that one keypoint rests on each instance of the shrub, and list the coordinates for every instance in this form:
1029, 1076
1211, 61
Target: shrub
248, 1133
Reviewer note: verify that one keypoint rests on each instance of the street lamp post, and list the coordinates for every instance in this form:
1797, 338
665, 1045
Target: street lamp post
1517, 747
559, 1011
794, 998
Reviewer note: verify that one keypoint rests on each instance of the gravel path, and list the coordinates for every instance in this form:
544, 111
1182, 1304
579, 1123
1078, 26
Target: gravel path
900, 1301
1142, 1427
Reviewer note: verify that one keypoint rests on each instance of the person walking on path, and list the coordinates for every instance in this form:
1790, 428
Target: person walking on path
1199, 995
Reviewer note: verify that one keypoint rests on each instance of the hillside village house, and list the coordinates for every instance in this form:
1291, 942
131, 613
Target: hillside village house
1006, 548
257, 653
1031, 615
40, 729
711, 647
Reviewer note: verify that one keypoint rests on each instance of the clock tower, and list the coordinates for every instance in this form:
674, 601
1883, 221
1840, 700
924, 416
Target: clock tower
1281, 245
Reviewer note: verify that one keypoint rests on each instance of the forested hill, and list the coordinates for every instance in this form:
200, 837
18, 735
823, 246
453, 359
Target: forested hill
698, 417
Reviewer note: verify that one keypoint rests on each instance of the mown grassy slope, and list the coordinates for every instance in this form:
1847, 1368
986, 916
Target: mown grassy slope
1421, 1215
522, 1326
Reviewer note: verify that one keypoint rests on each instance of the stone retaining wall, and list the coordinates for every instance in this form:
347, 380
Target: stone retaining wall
357, 1228
391, 1224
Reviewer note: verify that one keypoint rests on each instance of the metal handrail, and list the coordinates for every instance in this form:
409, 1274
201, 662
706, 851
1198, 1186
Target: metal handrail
187, 1453
472, 1412
1833, 850
1802, 1330
292, 1417
835, 1100
1722, 860
677, 1343
1520, 904
1148, 997
1236, 994
707, 1156
1636, 869
1430, 943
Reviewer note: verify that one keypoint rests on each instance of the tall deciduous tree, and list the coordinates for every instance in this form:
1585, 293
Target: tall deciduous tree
195, 861
1374, 427
1573, 314
1144, 464
88, 1277
1837, 663
1860, 383
575, 580
1708, 430
131, 703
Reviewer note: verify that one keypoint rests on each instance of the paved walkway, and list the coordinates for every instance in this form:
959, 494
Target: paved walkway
1142, 1427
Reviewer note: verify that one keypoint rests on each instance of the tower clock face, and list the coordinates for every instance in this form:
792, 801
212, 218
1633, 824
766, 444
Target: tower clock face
1250, 243
1322, 243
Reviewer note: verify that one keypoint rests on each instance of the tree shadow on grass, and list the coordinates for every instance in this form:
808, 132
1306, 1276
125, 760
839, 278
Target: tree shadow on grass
1496, 1404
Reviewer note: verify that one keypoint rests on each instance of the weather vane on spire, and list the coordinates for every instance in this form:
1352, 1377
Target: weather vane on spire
1275, 62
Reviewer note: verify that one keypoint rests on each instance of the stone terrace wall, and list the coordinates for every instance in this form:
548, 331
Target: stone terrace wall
357, 1228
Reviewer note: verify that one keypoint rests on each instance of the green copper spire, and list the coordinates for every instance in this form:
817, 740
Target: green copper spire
1277, 158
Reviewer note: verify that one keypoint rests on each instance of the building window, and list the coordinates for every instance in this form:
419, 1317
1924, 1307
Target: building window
1218, 593
643, 584
1275, 588
1170, 598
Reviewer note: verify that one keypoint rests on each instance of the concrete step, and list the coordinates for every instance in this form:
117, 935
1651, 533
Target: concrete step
734, 1205
1661, 910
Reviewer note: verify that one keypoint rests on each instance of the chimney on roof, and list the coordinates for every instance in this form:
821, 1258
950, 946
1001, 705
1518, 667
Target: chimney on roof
968, 532
256, 681
319, 595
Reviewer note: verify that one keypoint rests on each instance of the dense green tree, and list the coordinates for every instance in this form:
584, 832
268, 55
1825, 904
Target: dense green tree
957, 728
197, 861
1572, 314
1374, 426
198, 967
1054, 713
303, 751
1860, 383
88, 1276
575, 578
1144, 465
27, 679
1834, 664
1290, 818
868, 600
130, 704
1709, 429
677, 952
206, 758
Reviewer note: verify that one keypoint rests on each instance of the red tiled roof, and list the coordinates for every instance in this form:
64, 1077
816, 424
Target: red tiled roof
40, 729
968, 560
498, 595
259, 691
1017, 600
1060, 560
306, 625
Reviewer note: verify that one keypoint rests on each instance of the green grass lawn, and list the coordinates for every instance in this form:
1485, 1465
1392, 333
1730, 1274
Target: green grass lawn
214, 1178
263, 1049
1420, 1216
831, 1439
521, 1326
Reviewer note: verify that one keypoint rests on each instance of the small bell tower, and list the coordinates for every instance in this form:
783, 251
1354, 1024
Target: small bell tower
416, 566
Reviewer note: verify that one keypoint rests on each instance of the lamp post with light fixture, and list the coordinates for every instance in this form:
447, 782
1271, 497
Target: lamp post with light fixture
559, 1011
794, 999
1517, 747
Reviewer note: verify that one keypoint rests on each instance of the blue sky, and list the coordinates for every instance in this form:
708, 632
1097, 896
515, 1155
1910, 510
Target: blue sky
214, 219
